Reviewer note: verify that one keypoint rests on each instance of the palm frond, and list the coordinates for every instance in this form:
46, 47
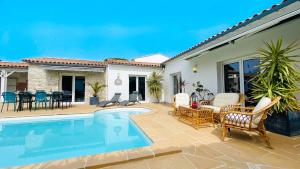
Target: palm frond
154, 83
278, 76
97, 88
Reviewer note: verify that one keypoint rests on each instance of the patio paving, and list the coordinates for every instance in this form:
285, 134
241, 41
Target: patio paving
201, 148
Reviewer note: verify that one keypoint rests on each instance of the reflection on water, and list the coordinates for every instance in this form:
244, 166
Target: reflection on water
25, 143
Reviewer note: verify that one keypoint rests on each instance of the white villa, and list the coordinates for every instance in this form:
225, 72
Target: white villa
224, 62
58, 74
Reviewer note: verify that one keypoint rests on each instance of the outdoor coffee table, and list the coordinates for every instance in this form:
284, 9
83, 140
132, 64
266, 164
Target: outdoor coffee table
203, 116
196, 117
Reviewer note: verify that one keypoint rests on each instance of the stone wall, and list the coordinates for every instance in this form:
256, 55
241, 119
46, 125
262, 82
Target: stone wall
36, 78
50, 80
93, 77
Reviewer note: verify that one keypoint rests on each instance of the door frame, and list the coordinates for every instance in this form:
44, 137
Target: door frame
73, 86
178, 74
241, 70
137, 85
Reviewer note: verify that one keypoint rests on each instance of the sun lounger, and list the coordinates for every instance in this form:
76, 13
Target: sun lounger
114, 100
133, 98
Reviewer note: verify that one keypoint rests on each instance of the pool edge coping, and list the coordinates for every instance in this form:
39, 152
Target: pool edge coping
105, 160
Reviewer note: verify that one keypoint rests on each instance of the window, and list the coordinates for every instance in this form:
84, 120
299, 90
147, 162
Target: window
79, 88
232, 77
237, 76
250, 69
74, 85
176, 78
137, 83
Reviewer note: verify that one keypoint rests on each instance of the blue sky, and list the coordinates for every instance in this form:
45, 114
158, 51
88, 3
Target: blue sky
97, 29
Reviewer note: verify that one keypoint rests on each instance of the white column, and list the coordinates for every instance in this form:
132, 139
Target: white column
3, 76
73, 89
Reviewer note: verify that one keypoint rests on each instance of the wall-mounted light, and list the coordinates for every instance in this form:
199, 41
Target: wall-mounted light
195, 68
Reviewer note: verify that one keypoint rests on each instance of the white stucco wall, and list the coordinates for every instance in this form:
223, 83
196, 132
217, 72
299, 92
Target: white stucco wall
207, 63
124, 71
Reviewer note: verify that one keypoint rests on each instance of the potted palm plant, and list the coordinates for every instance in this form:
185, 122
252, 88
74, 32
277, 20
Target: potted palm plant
97, 88
154, 83
279, 77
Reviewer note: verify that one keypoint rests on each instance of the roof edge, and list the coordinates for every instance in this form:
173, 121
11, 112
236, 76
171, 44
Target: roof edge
243, 23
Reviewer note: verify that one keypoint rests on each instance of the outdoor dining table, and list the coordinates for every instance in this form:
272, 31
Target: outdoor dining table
59, 98
25, 97
28, 98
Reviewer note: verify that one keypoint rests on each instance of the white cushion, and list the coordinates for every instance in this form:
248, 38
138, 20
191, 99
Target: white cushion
215, 108
265, 101
182, 99
239, 120
225, 99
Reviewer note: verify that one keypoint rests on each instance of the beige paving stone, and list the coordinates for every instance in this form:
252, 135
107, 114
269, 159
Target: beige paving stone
276, 160
138, 153
206, 151
132, 165
234, 164
108, 158
176, 161
268, 167
191, 149
71, 163
203, 162
33, 166
164, 147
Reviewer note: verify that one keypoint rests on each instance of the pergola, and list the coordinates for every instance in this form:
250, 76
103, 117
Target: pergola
6, 70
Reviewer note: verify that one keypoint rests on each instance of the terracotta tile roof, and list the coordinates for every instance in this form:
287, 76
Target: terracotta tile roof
90, 63
20, 65
132, 63
59, 61
243, 23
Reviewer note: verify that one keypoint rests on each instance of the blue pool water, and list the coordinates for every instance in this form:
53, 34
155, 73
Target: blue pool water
31, 140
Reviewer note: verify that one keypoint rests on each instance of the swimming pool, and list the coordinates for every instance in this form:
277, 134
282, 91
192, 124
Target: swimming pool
38, 139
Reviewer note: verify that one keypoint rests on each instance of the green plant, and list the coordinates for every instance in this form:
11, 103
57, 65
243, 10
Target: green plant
97, 88
278, 76
154, 83
115, 58
201, 92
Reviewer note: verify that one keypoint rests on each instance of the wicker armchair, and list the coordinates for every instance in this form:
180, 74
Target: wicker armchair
248, 119
180, 99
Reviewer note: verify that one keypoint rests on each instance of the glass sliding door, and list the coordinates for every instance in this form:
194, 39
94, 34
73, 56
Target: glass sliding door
141, 89
67, 84
132, 84
176, 78
138, 83
238, 75
74, 85
79, 88
232, 77
250, 69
